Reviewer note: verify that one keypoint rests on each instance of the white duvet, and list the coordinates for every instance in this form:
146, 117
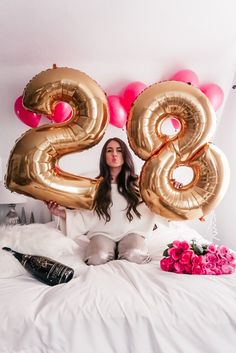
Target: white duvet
119, 307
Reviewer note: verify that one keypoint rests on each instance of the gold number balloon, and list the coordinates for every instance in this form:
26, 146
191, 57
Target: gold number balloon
190, 147
33, 164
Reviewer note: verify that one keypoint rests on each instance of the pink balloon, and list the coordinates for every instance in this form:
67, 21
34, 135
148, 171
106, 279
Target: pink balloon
214, 93
131, 92
118, 114
61, 113
187, 76
27, 117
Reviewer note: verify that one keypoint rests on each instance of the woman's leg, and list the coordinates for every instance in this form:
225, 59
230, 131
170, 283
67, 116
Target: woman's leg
133, 248
100, 250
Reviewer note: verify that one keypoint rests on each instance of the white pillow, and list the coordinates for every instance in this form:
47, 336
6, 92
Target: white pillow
37, 239
163, 235
46, 240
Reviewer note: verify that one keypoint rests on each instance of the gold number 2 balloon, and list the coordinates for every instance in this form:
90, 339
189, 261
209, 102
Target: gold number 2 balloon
33, 164
190, 147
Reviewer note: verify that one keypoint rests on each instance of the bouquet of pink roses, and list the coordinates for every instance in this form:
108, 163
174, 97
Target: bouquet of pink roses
195, 259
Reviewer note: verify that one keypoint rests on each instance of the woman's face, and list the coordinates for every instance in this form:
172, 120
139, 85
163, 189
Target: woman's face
114, 156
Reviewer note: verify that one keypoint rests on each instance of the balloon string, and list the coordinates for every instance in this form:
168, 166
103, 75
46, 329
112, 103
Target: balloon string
212, 229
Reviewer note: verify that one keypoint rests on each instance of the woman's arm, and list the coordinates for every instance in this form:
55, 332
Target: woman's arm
71, 222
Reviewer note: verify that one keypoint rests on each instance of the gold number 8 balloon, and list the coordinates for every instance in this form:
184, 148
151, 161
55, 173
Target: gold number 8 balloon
189, 147
33, 164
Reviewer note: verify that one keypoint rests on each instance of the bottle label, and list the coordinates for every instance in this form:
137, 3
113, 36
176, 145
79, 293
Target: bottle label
46, 269
59, 272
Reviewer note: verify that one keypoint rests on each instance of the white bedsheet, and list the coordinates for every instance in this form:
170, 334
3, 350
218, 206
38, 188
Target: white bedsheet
119, 307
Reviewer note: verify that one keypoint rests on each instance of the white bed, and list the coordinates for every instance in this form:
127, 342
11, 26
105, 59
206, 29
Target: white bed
119, 307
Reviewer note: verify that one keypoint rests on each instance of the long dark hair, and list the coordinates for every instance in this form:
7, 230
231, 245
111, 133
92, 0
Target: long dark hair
127, 184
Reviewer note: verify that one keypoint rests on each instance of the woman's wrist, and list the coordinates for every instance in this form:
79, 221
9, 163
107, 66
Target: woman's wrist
62, 214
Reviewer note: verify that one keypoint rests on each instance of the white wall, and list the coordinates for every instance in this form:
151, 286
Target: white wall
116, 42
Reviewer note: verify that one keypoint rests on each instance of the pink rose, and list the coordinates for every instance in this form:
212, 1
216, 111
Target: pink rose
212, 248
221, 262
179, 268
218, 271
188, 269
209, 271
209, 265
180, 245
211, 257
198, 270
230, 257
227, 269
186, 257
223, 250
178, 248
198, 265
175, 253
197, 260
167, 264
176, 243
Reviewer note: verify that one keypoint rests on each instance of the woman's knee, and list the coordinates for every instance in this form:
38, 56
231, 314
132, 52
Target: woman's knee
133, 248
135, 255
99, 258
100, 250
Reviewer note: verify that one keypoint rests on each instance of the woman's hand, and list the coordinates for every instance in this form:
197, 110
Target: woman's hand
55, 209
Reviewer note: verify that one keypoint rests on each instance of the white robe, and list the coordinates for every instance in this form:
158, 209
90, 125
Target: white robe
87, 222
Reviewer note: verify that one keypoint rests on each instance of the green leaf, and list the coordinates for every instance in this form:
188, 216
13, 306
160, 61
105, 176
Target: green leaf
196, 249
165, 253
170, 245
204, 247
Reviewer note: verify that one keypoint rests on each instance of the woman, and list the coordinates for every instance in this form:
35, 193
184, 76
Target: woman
120, 222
